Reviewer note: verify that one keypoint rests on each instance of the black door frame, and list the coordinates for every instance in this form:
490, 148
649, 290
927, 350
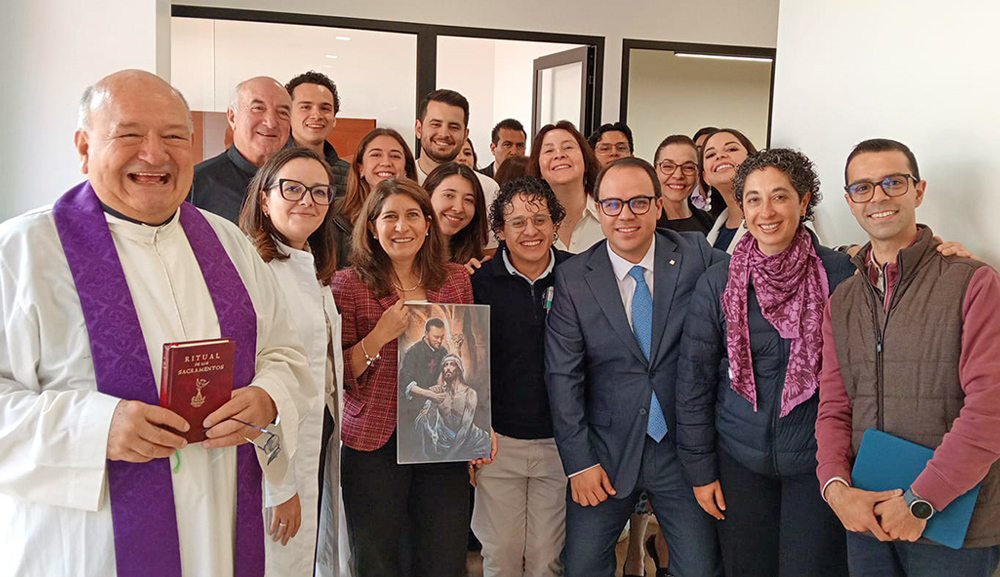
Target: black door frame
584, 54
714, 49
426, 34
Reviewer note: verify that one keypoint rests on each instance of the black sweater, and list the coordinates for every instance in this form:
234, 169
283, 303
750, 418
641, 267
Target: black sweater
517, 364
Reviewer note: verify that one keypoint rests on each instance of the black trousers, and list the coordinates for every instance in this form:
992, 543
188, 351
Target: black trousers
382, 500
777, 525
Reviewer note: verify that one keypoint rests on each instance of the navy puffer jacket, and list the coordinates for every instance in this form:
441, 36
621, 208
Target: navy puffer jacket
710, 415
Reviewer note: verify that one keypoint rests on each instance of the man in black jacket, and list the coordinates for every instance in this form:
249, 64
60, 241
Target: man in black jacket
520, 508
259, 117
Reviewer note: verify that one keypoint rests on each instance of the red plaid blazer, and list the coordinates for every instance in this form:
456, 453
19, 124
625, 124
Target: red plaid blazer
370, 401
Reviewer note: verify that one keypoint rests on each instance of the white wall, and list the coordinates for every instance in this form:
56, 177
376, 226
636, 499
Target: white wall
52, 50
375, 72
731, 22
675, 95
919, 72
496, 77
466, 65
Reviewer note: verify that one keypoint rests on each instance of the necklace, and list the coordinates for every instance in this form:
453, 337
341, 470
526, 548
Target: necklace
413, 288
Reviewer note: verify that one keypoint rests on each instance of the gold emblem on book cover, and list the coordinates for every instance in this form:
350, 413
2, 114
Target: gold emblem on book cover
199, 399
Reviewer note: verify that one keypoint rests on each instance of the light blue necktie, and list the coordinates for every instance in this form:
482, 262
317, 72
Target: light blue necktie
642, 326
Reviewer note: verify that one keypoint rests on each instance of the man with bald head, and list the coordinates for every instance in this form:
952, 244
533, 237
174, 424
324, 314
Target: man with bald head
94, 479
259, 115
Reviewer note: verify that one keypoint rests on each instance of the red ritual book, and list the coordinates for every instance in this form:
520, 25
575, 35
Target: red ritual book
197, 379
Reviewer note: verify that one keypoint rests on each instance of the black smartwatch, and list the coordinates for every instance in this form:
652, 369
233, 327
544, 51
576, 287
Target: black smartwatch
919, 508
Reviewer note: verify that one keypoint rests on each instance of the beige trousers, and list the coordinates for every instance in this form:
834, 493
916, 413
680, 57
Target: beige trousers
520, 512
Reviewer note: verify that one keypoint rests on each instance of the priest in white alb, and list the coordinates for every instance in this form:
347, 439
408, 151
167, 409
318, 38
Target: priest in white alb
91, 481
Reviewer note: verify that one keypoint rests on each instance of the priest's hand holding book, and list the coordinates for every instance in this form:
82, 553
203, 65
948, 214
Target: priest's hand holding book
248, 404
137, 434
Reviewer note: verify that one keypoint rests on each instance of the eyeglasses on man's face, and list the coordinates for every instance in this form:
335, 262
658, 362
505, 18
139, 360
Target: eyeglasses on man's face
637, 204
293, 191
606, 147
892, 185
539, 219
687, 169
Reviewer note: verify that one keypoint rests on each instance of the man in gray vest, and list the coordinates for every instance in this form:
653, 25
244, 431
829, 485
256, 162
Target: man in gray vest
912, 348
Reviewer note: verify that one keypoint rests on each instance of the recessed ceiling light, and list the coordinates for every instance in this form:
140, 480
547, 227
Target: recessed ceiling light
343, 37
331, 55
724, 57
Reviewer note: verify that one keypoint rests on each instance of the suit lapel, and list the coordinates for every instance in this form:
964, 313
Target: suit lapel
666, 270
604, 285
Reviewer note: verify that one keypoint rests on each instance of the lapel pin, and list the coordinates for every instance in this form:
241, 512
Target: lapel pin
672, 261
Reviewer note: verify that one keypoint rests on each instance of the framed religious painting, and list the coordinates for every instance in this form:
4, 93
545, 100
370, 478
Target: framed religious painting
444, 384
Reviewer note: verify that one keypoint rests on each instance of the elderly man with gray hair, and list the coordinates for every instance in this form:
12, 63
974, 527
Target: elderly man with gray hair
96, 478
259, 115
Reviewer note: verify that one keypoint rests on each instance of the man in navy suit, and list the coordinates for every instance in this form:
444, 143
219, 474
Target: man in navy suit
611, 361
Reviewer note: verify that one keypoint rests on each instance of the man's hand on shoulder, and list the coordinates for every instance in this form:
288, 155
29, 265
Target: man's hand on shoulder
250, 404
591, 487
856, 507
136, 434
897, 521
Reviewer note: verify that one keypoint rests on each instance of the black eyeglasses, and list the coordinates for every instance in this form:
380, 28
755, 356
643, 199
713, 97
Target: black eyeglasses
637, 204
294, 191
892, 185
668, 168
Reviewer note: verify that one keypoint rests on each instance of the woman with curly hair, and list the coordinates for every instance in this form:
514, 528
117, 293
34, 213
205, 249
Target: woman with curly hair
746, 435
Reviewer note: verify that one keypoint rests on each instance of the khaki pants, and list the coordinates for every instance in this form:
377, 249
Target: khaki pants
520, 512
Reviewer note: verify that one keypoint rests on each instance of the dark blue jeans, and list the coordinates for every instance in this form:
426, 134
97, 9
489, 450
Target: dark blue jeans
869, 557
591, 532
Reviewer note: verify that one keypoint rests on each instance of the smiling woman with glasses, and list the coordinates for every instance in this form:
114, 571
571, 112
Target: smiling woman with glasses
676, 162
288, 217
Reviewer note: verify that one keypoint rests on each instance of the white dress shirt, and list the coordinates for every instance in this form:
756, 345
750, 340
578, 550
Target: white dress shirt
626, 284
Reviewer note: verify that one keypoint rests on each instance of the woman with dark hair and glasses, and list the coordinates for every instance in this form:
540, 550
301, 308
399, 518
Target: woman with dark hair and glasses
398, 255
724, 151
460, 207
561, 156
288, 218
676, 162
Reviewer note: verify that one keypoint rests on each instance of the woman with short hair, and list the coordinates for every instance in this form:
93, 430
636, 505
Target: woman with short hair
748, 377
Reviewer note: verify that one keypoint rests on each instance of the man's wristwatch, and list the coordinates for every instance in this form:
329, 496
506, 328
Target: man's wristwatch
919, 508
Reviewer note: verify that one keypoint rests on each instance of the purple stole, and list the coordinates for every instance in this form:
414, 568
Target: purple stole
142, 495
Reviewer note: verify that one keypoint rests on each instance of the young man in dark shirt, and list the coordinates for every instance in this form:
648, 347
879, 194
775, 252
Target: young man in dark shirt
520, 498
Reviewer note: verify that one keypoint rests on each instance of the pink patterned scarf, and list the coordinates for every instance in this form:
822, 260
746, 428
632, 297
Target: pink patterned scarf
792, 289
